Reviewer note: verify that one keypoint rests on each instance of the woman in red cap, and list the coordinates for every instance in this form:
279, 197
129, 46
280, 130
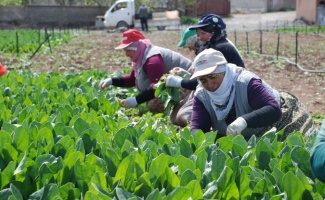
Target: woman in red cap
149, 63
2, 70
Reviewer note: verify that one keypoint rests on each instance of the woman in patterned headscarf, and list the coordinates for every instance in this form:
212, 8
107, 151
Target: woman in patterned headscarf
149, 63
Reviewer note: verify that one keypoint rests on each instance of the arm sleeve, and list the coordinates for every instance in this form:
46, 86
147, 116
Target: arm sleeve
189, 84
231, 53
317, 159
266, 109
124, 81
154, 68
200, 118
145, 95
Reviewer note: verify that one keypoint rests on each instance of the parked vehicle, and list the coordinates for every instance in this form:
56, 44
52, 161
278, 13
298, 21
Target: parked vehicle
122, 14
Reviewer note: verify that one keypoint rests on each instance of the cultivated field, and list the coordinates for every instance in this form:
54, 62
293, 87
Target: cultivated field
62, 138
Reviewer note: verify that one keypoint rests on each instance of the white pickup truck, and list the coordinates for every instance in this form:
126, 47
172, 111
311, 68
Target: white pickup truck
122, 13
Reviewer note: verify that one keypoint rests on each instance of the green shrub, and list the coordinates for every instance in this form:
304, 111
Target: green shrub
189, 20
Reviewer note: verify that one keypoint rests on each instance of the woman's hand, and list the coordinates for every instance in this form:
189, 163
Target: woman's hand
237, 126
105, 83
130, 102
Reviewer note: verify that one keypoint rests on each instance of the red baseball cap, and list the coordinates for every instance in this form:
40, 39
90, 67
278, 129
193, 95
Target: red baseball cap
2, 70
129, 37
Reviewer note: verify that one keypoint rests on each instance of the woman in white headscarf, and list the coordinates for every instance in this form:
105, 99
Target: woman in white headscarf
234, 101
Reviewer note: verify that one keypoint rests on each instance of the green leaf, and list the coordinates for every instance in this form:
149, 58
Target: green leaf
80, 146
187, 177
88, 142
218, 164
158, 166
5, 193
45, 138
195, 188
15, 192
233, 164
63, 116
181, 193
50, 191
154, 195
83, 172
81, 125
21, 165
140, 164
237, 151
93, 104
99, 184
263, 156
211, 191
97, 162
225, 179
68, 191
185, 147
225, 144
246, 158
125, 172
301, 157
9, 153
55, 164
4, 138
71, 160
124, 194
210, 137
170, 179
295, 139
120, 137
304, 179
240, 141
93, 195
6, 174
45, 174
244, 189
201, 160
286, 163
199, 138
20, 139
260, 188
278, 175
293, 186
112, 160
9, 128
231, 192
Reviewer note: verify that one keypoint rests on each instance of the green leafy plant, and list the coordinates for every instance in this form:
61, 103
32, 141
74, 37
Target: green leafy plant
64, 139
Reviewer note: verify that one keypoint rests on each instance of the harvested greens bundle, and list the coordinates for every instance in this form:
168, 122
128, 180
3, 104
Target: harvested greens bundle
170, 95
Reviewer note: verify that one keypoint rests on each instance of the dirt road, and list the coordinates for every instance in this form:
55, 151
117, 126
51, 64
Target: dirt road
249, 22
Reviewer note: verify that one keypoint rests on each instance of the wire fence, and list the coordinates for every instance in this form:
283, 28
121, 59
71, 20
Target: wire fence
295, 42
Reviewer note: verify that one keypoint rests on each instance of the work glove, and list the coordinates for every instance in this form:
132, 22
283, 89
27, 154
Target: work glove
105, 83
130, 102
173, 81
180, 72
237, 126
